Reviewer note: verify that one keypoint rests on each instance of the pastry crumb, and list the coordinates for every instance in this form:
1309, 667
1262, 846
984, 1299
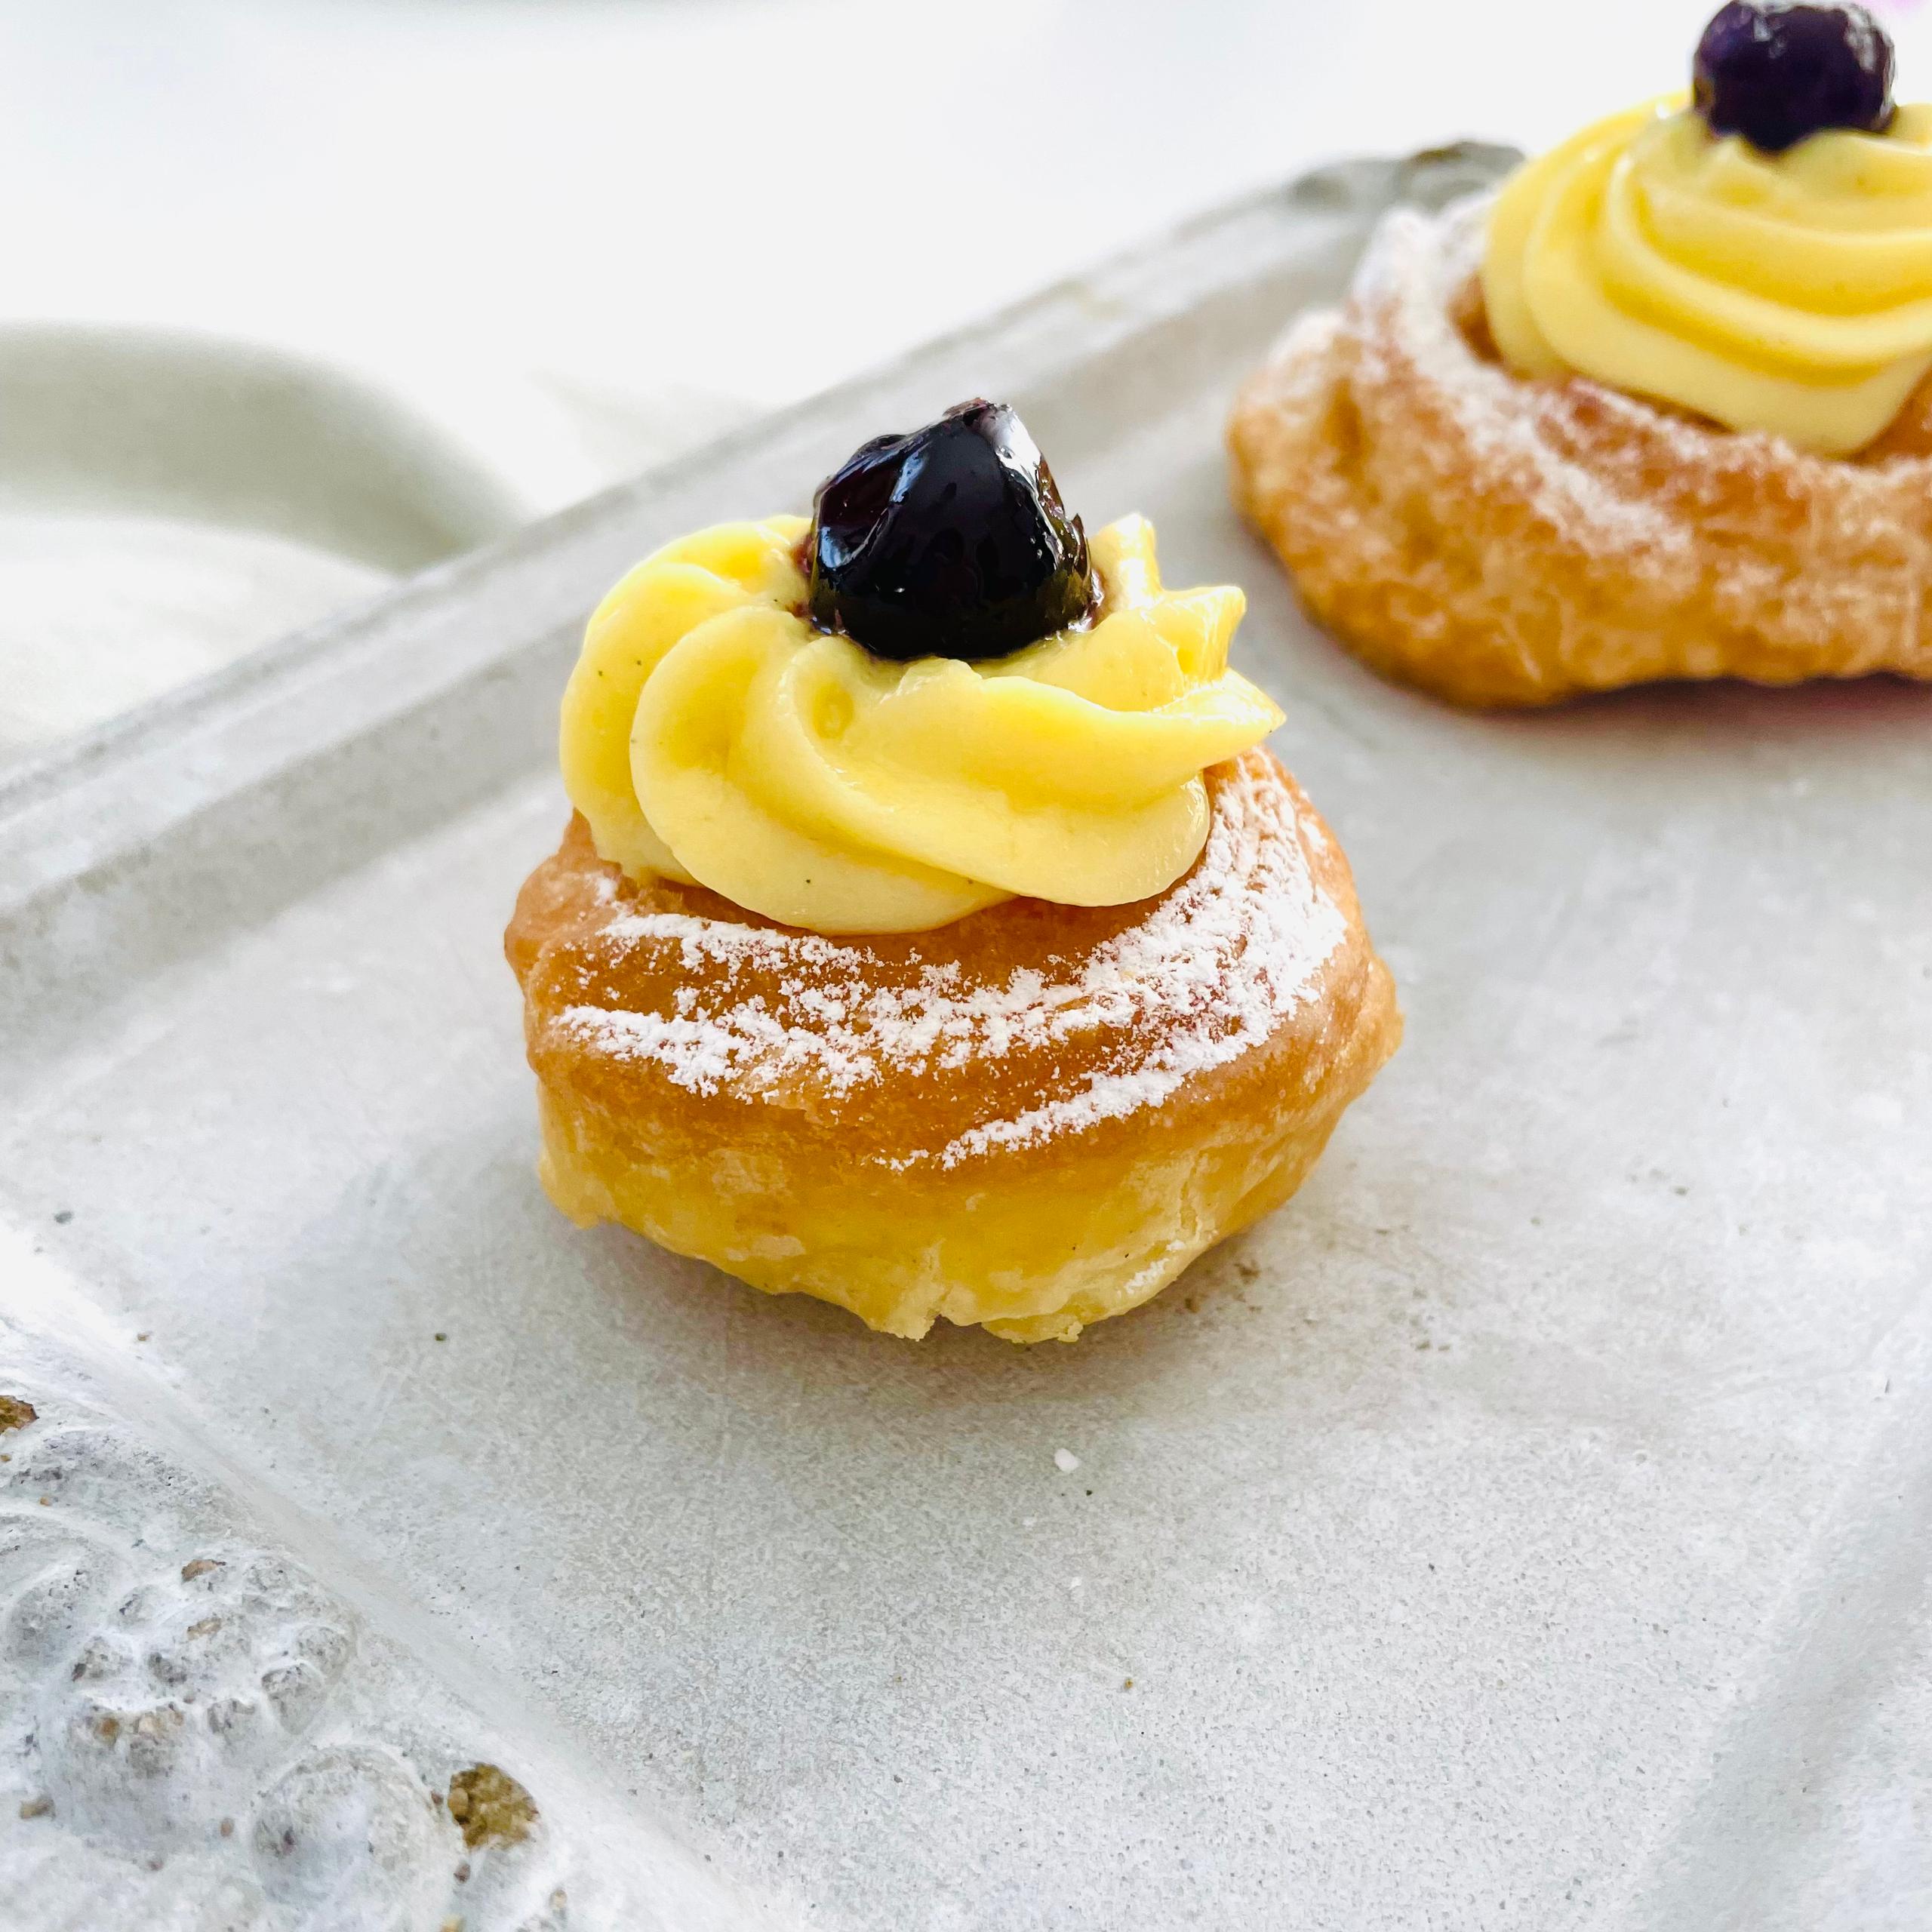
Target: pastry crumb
36, 1807
16, 1412
1066, 1461
490, 1806
199, 1566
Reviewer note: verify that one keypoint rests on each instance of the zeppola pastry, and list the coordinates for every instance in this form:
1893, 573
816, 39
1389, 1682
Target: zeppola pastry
933, 935
1659, 408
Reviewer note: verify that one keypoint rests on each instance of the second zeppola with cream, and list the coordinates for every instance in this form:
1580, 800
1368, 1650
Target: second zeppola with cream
1657, 408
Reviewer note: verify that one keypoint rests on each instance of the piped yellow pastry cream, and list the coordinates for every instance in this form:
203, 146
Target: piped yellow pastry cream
712, 732
1782, 289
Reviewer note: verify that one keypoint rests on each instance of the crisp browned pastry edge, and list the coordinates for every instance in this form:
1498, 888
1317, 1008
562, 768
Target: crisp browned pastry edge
796, 1183
1499, 542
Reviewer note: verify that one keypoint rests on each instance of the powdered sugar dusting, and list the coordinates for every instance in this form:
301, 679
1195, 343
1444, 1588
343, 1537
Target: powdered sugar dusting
1209, 973
1615, 472
1414, 269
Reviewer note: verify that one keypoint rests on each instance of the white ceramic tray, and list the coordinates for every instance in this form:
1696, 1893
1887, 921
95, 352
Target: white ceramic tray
1526, 1527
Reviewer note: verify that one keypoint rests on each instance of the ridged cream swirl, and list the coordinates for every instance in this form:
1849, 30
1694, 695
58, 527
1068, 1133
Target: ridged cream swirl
711, 734
1788, 292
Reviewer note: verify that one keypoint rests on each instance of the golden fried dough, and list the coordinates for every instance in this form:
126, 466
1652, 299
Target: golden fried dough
1032, 1119
1505, 542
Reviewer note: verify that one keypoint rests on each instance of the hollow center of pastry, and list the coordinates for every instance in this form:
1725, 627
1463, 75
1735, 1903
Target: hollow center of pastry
710, 734
1787, 292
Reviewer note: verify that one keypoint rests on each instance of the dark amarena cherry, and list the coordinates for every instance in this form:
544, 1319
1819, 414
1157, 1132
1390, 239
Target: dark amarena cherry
1775, 72
951, 542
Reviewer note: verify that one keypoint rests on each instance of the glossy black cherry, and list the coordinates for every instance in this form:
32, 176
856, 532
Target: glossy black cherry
951, 542
1776, 73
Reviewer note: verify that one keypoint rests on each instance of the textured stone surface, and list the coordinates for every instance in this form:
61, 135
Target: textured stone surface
198, 1736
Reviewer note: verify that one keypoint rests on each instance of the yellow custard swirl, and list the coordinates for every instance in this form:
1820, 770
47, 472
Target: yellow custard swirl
710, 734
1789, 293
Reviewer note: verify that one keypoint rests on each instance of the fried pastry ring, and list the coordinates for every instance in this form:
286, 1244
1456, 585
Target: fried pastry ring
1032, 1119
1500, 541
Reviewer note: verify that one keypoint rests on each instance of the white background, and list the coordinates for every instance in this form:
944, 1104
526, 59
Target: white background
741, 198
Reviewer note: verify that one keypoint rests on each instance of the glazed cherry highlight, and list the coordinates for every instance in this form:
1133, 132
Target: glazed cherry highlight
951, 542
1776, 73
